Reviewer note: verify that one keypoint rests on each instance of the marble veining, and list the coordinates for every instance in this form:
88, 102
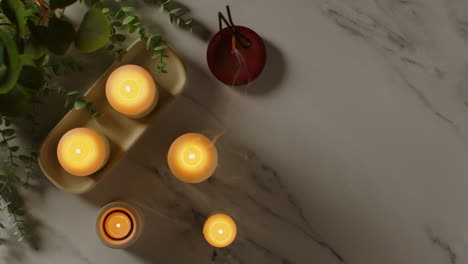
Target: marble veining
351, 147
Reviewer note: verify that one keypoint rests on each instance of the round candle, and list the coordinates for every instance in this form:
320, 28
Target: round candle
192, 158
220, 230
82, 151
230, 62
131, 90
118, 225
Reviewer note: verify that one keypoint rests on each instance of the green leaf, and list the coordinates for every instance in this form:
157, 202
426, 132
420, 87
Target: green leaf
58, 69
59, 36
131, 29
105, 10
80, 104
94, 31
7, 122
14, 149
8, 132
25, 159
14, 11
128, 20
120, 14
61, 3
128, 8
174, 11
118, 1
162, 47
13, 62
118, 37
116, 24
73, 93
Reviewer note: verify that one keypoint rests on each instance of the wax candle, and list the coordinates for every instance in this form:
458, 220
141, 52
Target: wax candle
220, 230
131, 90
82, 151
192, 158
119, 224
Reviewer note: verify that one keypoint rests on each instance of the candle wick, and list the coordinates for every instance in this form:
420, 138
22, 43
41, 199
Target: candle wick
233, 41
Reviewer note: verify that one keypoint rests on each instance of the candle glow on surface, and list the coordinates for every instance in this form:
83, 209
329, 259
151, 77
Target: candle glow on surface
82, 151
192, 158
220, 230
131, 90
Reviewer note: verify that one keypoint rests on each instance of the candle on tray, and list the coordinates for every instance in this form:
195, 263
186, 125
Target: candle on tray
220, 230
82, 151
131, 90
119, 224
192, 158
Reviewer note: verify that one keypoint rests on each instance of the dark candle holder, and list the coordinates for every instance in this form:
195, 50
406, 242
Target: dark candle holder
236, 55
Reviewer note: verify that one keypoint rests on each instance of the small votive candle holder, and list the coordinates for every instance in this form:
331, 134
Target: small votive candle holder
119, 224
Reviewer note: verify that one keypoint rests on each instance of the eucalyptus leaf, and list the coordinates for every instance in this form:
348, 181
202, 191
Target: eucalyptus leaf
128, 8
162, 47
54, 4
94, 31
128, 20
80, 104
8, 132
25, 159
14, 149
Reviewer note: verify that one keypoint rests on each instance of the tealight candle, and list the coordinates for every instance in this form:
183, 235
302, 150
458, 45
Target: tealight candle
119, 224
192, 158
220, 230
131, 90
82, 151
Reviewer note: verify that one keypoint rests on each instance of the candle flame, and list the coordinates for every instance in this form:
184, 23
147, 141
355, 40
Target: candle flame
220, 231
78, 151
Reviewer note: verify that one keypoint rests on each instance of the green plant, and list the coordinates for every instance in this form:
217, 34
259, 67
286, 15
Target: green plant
35, 37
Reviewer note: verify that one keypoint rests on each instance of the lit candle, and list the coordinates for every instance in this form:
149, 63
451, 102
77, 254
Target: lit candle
82, 151
131, 90
220, 230
119, 224
192, 158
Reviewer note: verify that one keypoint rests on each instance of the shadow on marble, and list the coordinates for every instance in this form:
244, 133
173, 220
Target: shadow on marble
272, 227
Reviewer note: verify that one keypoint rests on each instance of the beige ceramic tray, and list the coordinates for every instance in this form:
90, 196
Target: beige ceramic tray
121, 131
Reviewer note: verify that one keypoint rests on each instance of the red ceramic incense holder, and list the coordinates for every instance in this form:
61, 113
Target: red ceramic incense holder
236, 55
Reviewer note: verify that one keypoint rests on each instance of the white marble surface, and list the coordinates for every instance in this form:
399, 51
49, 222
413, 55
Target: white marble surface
352, 146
